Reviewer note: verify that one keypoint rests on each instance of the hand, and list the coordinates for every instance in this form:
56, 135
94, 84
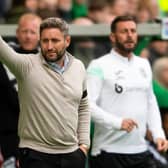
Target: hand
162, 144
84, 148
128, 125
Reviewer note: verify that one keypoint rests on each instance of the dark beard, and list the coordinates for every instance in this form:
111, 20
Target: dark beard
60, 55
121, 47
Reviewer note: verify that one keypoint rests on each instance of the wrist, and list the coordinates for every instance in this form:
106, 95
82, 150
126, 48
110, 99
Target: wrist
84, 147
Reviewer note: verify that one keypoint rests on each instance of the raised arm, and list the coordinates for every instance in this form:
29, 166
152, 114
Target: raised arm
14, 61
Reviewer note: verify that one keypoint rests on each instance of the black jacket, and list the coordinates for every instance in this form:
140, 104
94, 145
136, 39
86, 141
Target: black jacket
9, 104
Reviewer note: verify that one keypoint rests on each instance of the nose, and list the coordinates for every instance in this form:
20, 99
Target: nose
50, 45
129, 33
28, 34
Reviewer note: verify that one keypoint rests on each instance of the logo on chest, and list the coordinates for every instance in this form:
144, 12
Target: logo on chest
119, 77
118, 88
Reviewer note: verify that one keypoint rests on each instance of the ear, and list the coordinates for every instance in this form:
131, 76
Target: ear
17, 32
67, 40
112, 37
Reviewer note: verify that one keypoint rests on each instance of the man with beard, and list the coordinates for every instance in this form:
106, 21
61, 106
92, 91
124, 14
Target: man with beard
54, 113
123, 104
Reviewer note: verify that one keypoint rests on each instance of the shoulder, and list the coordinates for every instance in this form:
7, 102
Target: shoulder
98, 66
76, 63
144, 66
101, 61
142, 61
75, 60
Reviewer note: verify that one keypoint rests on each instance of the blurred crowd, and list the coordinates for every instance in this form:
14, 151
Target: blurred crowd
99, 11
87, 12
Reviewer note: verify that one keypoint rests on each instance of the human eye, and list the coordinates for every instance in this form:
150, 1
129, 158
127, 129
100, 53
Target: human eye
123, 31
44, 40
55, 40
33, 32
133, 31
24, 31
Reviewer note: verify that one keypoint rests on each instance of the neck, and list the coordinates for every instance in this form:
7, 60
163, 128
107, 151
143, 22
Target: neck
60, 62
33, 51
124, 53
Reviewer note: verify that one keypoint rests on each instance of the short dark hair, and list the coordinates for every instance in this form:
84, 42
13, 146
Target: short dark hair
121, 19
54, 22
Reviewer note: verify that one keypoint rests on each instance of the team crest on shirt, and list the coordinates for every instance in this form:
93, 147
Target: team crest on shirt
119, 75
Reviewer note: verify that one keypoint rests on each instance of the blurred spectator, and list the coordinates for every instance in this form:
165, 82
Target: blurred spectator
47, 8
160, 86
65, 9
144, 11
99, 12
160, 71
155, 9
84, 48
79, 8
118, 7
31, 5
156, 49
50, 4
147, 11
27, 34
5, 5
132, 6
18, 8
27, 38
2, 12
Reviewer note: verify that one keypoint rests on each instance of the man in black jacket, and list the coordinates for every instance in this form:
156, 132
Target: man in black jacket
9, 111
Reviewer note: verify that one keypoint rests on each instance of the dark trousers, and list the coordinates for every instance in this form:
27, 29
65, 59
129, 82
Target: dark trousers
113, 160
9, 144
33, 159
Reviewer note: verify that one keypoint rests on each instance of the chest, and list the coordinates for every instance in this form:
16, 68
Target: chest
127, 78
48, 83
